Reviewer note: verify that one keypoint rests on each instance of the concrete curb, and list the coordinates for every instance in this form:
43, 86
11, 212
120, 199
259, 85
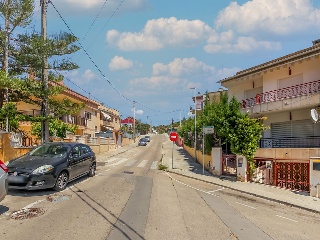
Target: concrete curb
247, 192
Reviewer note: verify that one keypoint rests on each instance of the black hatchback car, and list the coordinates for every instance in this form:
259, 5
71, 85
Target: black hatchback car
51, 165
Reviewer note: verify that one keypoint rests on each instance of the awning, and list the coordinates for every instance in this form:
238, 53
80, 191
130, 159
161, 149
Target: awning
105, 115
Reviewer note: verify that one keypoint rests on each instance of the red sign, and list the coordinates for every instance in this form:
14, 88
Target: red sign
173, 136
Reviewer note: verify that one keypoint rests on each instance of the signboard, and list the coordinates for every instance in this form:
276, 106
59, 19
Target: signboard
268, 165
208, 129
316, 165
173, 136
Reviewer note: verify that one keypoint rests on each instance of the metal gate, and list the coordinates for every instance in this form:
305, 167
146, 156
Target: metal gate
229, 164
292, 175
283, 173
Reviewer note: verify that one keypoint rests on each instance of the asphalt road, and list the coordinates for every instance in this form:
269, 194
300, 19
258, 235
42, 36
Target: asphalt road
130, 199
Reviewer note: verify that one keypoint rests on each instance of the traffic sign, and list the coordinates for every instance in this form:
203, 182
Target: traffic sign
208, 129
173, 136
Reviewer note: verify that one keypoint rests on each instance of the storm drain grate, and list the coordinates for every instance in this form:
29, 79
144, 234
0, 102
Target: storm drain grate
27, 213
58, 198
127, 172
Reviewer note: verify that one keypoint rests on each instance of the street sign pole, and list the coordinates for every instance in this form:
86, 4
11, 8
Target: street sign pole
172, 155
203, 134
173, 138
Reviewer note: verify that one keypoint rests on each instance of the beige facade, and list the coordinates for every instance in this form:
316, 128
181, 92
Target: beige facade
89, 120
284, 91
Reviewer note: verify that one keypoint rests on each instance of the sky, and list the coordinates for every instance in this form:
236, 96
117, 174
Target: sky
147, 55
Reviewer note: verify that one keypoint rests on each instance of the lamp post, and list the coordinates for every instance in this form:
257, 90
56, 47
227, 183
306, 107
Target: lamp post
195, 123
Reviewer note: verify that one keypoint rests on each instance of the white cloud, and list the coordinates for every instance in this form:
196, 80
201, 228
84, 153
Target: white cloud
240, 44
159, 33
120, 63
139, 112
92, 7
183, 67
82, 79
280, 17
169, 32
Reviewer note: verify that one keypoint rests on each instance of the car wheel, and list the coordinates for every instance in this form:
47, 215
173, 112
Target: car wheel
92, 170
61, 182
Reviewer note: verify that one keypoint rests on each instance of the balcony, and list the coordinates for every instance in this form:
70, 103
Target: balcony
280, 99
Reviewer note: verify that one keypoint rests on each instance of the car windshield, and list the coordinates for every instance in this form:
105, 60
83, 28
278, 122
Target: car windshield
142, 140
55, 150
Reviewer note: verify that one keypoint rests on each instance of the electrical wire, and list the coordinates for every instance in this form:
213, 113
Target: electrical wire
96, 66
100, 10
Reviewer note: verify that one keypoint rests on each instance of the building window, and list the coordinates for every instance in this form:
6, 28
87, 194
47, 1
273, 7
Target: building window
87, 115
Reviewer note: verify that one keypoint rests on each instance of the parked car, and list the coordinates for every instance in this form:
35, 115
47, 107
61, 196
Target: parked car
51, 165
147, 137
3, 180
142, 142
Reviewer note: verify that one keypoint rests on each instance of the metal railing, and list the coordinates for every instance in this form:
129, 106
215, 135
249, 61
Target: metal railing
283, 93
290, 142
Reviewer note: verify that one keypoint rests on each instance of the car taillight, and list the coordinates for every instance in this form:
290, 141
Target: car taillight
3, 166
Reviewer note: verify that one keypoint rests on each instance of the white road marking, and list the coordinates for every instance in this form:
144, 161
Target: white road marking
216, 190
143, 163
99, 174
130, 163
245, 205
154, 165
110, 160
191, 186
287, 218
32, 204
119, 162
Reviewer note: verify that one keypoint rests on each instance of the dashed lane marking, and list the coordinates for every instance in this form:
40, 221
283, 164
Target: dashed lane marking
245, 205
130, 163
287, 218
143, 163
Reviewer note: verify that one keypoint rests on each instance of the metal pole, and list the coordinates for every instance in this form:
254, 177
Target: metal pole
134, 122
172, 155
203, 152
44, 107
6, 49
195, 123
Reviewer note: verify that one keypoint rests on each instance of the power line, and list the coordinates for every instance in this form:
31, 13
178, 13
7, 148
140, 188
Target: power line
93, 62
95, 19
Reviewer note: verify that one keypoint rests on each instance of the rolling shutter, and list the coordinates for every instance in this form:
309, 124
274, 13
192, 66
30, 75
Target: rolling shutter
300, 128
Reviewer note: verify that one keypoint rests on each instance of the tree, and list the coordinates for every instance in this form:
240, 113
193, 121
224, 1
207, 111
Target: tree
27, 61
57, 129
16, 13
230, 124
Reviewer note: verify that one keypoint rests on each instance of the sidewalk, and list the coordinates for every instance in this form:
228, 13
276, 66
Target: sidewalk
185, 165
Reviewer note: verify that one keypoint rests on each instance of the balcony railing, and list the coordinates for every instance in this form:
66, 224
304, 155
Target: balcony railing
283, 93
290, 142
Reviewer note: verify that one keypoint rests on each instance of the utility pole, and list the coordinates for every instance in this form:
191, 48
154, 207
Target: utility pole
6, 49
44, 106
134, 122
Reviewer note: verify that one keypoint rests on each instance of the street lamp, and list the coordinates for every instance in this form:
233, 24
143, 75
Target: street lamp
195, 123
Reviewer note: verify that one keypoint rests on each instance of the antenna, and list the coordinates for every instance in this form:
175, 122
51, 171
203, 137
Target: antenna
314, 115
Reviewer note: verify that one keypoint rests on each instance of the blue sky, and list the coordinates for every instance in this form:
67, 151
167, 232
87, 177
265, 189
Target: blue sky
152, 52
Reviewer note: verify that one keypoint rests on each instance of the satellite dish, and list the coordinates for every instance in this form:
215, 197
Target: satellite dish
314, 115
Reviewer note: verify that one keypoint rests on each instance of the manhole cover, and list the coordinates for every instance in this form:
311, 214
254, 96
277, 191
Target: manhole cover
27, 213
58, 198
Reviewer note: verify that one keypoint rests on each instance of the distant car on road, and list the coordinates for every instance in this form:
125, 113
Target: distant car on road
142, 142
51, 165
3, 180
147, 137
